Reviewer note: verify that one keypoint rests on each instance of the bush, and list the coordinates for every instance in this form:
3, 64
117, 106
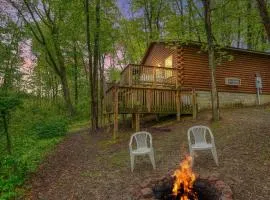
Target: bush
12, 174
53, 127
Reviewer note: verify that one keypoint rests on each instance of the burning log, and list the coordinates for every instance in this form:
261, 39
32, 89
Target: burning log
184, 179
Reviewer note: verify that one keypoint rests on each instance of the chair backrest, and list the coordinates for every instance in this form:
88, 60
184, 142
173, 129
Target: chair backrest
199, 133
141, 139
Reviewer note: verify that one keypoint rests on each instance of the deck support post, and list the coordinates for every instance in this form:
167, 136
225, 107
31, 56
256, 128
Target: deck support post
194, 104
109, 117
124, 118
115, 112
178, 104
137, 122
154, 76
133, 121
130, 75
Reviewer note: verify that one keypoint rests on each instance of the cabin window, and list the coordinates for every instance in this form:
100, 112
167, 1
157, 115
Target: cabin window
168, 64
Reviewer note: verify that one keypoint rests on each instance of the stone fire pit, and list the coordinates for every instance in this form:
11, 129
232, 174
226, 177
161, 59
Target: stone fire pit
147, 189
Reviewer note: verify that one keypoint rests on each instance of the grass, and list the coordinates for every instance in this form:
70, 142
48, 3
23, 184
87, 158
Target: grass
118, 159
91, 174
77, 125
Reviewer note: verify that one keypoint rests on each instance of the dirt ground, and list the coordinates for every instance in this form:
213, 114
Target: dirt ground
94, 167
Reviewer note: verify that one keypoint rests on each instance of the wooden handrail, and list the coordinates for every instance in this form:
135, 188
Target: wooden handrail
145, 74
147, 66
182, 89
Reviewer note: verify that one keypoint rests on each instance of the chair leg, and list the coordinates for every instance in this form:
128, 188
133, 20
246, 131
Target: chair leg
214, 152
152, 158
132, 158
191, 153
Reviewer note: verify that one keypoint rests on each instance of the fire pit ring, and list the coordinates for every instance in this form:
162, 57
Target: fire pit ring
146, 190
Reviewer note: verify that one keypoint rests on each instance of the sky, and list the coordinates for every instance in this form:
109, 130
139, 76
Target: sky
124, 6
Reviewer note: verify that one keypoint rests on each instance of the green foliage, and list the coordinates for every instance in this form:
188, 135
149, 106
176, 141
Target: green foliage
53, 127
36, 127
12, 174
114, 74
8, 102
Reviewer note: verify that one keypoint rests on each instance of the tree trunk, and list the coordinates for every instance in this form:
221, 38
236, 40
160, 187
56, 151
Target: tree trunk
238, 28
95, 68
189, 19
262, 6
249, 33
182, 17
5, 121
102, 78
62, 71
148, 17
89, 51
66, 91
211, 59
76, 95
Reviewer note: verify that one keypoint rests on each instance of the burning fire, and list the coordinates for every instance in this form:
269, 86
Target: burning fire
184, 179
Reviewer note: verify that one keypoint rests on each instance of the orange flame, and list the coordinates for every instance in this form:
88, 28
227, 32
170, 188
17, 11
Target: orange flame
184, 177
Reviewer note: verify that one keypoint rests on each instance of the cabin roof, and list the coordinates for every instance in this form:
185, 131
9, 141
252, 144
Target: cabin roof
199, 44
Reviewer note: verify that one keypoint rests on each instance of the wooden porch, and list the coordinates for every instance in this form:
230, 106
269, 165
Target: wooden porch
148, 90
151, 76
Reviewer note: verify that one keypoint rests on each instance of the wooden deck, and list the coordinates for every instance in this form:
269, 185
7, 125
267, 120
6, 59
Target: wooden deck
149, 90
149, 100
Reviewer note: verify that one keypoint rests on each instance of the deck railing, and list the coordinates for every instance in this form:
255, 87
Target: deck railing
139, 100
134, 75
149, 100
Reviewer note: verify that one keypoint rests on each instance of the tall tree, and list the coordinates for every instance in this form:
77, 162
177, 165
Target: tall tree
152, 11
75, 60
89, 51
249, 33
262, 6
211, 58
10, 36
96, 66
44, 24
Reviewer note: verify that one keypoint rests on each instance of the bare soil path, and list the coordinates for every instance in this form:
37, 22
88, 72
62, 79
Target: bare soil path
93, 167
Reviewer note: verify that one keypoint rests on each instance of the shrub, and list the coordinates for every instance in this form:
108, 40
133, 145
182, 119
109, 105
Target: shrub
53, 127
12, 174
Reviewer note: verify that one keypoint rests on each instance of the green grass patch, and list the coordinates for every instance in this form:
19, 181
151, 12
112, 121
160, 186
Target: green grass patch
119, 159
107, 143
77, 125
91, 174
215, 125
35, 129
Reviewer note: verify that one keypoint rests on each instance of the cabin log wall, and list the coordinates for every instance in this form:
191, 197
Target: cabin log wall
244, 66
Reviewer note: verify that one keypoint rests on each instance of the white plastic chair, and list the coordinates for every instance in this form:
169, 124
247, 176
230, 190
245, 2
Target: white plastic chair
199, 134
144, 146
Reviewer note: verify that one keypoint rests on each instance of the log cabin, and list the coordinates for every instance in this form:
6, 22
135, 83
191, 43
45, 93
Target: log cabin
174, 77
